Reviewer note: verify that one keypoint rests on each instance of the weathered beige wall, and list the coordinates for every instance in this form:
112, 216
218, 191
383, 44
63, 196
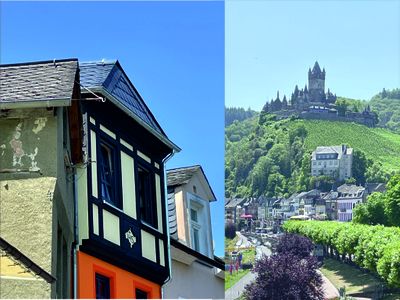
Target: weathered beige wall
19, 289
26, 223
35, 192
181, 216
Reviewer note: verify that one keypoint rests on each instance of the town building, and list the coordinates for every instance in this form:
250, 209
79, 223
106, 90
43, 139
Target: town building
37, 124
349, 196
83, 199
123, 235
334, 161
233, 209
196, 272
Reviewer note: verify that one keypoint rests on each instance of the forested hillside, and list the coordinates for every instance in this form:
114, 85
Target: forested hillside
387, 106
269, 157
237, 114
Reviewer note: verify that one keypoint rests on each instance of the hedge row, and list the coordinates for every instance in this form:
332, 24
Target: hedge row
376, 248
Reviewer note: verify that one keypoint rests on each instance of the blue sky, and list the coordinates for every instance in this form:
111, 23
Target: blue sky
271, 44
173, 53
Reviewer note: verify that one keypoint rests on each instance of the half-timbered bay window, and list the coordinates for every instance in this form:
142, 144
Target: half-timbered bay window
124, 177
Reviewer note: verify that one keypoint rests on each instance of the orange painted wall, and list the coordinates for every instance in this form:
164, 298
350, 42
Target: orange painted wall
123, 284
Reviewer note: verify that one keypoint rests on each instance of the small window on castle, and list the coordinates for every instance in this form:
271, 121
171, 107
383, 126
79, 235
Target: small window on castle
194, 189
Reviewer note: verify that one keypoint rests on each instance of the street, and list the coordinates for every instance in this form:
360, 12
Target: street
236, 290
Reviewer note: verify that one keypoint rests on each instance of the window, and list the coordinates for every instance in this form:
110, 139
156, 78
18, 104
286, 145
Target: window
193, 214
102, 287
140, 294
108, 174
196, 243
147, 201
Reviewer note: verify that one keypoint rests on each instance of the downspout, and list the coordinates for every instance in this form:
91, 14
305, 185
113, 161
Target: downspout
75, 296
169, 156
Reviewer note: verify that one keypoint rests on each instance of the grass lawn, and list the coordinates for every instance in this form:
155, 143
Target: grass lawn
230, 280
355, 281
231, 243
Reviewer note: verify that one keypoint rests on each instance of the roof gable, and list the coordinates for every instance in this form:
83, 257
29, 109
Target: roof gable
110, 79
182, 176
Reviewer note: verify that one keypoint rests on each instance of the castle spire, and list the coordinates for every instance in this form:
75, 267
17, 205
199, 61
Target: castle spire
316, 68
277, 95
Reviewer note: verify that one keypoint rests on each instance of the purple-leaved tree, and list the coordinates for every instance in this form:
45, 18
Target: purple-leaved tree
295, 244
285, 276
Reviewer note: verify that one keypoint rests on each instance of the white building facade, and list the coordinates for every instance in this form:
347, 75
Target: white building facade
334, 161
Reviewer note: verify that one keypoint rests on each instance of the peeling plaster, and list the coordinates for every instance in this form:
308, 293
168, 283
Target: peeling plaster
40, 124
16, 145
32, 156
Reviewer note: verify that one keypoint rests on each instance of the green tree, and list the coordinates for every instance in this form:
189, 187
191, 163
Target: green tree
360, 166
392, 208
372, 212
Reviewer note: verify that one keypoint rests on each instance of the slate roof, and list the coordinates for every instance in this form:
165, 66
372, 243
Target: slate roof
330, 150
173, 226
180, 176
235, 202
37, 81
110, 76
350, 190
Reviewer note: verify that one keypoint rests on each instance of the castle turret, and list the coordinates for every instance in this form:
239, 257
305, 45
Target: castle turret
284, 102
316, 84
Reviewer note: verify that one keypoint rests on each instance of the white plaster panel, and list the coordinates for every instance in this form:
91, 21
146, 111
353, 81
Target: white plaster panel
95, 214
159, 206
93, 158
148, 246
126, 144
161, 249
128, 185
108, 131
144, 156
111, 227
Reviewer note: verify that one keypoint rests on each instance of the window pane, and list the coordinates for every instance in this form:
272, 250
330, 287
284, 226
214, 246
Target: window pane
196, 239
193, 215
141, 294
148, 209
102, 287
107, 173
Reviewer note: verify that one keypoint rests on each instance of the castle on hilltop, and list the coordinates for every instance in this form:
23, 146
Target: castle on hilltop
314, 103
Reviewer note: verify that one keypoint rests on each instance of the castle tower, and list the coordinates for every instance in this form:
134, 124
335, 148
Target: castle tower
316, 83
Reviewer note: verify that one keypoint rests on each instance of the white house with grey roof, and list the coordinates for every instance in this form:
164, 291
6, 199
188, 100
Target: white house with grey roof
196, 272
349, 195
335, 161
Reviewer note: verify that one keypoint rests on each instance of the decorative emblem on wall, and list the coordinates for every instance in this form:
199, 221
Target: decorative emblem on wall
130, 237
